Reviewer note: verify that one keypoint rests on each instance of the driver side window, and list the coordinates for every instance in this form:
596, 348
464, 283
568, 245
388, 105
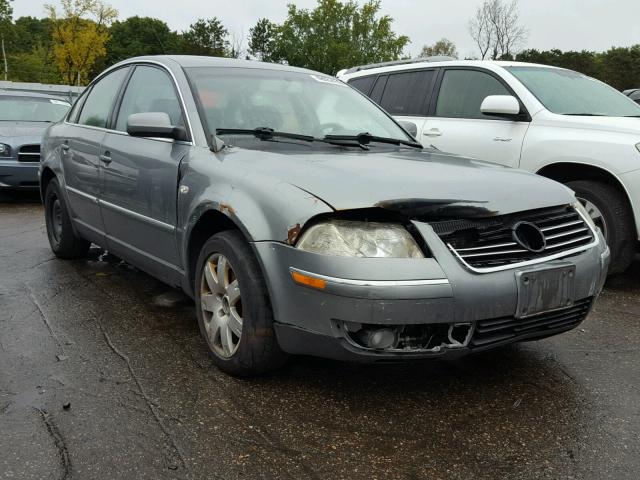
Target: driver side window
463, 91
150, 90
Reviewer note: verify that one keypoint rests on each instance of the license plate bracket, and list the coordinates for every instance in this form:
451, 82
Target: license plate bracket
545, 289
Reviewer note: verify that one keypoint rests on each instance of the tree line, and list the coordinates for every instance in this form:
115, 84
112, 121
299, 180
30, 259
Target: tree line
80, 38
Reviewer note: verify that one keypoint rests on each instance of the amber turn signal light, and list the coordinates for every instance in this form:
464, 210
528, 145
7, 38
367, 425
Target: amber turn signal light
308, 281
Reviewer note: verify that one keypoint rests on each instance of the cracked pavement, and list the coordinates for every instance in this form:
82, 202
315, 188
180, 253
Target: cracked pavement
123, 353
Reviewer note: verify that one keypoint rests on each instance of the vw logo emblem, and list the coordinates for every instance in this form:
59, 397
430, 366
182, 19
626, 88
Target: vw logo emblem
529, 236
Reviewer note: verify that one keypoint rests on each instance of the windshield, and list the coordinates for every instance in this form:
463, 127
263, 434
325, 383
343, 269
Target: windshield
571, 93
300, 103
32, 109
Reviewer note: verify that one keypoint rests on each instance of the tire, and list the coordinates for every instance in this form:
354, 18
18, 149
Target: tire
618, 217
256, 350
63, 240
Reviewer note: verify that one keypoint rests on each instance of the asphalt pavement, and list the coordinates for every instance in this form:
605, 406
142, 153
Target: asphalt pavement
103, 374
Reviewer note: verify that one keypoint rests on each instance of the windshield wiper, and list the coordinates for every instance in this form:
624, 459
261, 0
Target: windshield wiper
264, 133
365, 138
584, 114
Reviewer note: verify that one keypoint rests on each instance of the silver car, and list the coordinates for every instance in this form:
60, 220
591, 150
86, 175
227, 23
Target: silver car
23, 119
304, 220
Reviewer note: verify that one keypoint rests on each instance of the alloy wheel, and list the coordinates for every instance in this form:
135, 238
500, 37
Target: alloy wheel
596, 215
221, 305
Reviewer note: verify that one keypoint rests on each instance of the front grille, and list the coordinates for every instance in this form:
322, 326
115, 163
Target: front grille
488, 332
488, 243
29, 153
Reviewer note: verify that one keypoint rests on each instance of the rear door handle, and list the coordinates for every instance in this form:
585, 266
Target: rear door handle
434, 132
105, 158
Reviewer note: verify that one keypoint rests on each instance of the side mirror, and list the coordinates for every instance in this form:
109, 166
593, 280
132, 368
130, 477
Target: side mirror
154, 125
501, 106
410, 127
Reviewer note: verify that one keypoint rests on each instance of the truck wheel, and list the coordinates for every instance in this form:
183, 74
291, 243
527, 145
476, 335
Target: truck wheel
233, 307
610, 211
63, 240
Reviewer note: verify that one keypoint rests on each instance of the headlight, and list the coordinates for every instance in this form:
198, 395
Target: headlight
580, 208
344, 238
5, 150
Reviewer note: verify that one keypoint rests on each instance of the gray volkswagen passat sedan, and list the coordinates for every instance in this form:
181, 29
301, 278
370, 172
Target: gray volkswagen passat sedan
23, 119
303, 219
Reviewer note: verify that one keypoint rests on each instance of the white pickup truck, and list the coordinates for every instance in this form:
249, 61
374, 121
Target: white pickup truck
555, 122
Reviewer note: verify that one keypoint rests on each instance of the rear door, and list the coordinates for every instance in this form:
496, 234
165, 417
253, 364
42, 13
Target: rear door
140, 175
405, 95
457, 125
81, 144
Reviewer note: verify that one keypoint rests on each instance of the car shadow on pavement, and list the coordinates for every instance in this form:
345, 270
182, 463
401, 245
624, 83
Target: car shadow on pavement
629, 281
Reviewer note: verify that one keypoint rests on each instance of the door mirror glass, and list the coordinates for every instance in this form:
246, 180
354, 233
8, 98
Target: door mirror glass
154, 125
500, 106
410, 127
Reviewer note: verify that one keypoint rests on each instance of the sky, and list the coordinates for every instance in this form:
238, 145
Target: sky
564, 24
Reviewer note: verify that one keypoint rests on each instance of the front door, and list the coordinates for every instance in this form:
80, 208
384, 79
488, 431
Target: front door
140, 175
458, 126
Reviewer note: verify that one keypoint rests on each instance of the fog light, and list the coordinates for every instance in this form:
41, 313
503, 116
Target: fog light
379, 339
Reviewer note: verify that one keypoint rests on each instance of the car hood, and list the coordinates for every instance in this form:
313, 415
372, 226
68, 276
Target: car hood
14, 129
607, 124
428, 183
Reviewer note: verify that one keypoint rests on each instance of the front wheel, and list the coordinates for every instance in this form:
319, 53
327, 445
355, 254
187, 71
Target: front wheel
233, 307
610, 211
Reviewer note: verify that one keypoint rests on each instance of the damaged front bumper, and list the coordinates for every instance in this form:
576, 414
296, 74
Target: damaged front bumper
396, 309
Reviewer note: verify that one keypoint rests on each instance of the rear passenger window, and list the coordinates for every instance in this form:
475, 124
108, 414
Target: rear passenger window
96, 109
406, 92
363, 84
149, 90
463, 91
376, 93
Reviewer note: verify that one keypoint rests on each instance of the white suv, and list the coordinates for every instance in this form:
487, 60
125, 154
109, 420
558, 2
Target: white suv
555, 122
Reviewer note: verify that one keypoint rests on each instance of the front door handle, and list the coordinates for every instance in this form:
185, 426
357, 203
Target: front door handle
65, 146
105, 158
434, 132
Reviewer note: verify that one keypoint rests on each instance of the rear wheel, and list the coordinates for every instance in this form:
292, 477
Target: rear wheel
233, 307
63, 240
610, 211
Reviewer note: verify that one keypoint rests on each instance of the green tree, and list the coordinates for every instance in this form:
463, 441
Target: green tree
620, 67
262, 40
6, 11
138, 36
29, 33
332, 36
443, 47
6, 15
34, 66
206, 37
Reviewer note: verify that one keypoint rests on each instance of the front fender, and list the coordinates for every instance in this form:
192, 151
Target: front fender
262, 207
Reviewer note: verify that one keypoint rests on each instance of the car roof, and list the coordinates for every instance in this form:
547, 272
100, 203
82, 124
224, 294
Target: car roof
415, 64
21, 93
192, 61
